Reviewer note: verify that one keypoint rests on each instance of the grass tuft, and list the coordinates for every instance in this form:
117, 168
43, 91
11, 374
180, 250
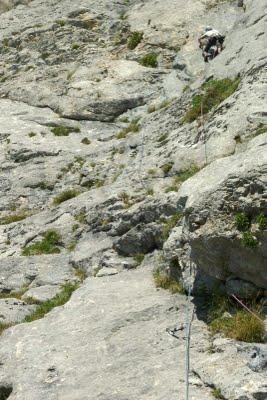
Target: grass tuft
46, 246
139, 257
9, 219
217, 394
66, 195
242, 222
241, 326
149, 60
182, 177
134, 40
213, 93
132, 127
58, 300
262, 221
249, 240
163, 281
61, 130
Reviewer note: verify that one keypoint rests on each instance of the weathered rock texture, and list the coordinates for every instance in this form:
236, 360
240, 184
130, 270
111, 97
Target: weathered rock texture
82, 118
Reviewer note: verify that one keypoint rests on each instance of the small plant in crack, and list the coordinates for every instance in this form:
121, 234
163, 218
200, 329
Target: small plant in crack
242, 222
48, 245
64, 196
60, 299
262, 221
249, 240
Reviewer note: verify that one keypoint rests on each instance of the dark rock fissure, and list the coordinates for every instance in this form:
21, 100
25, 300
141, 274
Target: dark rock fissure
5, 392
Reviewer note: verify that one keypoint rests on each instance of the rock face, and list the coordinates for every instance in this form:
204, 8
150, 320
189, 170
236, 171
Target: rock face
103, 177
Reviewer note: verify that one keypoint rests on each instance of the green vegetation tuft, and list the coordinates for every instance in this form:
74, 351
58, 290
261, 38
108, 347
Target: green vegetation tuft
46, 246
64, 196
149, 60
262, 128
182, 177
4, 326
61, 130
80, 274
163, 281
132, 127
249, 240
139, 257
241, 325
217, 394
58, 300
262, 221
134, 40
9, 219
169, 224
85, 140
213, 93
31, 134
166, 168
75, 46
61, 22
242, 222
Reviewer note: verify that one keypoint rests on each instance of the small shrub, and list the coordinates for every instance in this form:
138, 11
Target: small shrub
167, 167
31, 134
216, 392
214, 92
85, 141
134, 40
242, 222
61, 130
9, 219
262, 221
57, 301
149, 60
163, 281
139, 258
46, 246
64, 196
75, 46
249, 240
170, 224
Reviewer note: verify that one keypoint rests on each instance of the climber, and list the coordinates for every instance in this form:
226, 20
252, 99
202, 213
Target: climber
211, 38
